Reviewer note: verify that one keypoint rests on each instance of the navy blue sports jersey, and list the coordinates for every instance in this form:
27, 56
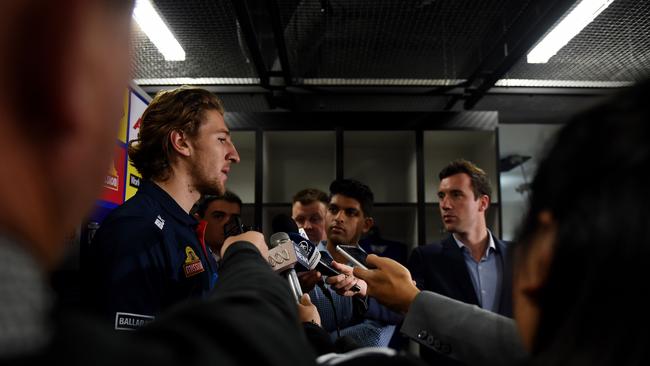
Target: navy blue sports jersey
145, 257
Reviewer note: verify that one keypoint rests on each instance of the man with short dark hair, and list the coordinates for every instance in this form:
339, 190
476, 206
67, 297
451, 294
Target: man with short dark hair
471, 265
348, 217
216, 211
146, 256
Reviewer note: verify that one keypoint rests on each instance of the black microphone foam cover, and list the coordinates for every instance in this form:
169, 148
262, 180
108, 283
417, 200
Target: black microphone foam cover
283, 223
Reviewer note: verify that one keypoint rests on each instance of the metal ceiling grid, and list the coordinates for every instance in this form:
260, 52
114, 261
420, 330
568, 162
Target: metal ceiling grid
612, 51
210, 35
390, 42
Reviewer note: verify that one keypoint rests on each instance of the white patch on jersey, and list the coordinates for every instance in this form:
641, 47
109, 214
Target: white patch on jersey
159, 222
130, 321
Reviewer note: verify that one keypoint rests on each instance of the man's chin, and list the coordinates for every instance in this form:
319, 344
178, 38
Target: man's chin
337, 240
450, 229
212, 189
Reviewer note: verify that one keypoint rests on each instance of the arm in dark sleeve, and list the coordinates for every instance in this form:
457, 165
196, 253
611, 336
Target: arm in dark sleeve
251, 316
379, 312
251, 319
319, 338
369, 308
416, 267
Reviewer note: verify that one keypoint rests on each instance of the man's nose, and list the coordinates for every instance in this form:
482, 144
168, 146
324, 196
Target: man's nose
233, 155
445, 204
339, 216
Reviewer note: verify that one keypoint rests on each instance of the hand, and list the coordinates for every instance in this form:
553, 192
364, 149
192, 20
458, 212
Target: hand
308, 280
252, 237
343, 283
391, 283
307, 312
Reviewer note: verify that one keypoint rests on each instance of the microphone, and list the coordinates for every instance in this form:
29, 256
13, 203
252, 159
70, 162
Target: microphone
283, 223
313, 257
307, 248
283, 258
318, 260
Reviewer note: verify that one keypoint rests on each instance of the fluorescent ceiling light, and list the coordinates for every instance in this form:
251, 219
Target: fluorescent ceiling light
155, 28
581, 15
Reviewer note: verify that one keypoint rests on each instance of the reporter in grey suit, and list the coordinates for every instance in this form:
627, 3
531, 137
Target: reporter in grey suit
459, 330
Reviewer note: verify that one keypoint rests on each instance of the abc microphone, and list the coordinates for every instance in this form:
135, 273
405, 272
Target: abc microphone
317, 260
283, 258
284, 223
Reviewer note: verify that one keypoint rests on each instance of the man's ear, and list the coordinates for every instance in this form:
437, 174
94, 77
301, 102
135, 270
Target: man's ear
180, 143
484, 203
368, 222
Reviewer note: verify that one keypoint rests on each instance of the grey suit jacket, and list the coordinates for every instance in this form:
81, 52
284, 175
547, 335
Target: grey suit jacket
462, 331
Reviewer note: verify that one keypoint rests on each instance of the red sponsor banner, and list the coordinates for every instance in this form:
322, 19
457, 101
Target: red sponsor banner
113, 189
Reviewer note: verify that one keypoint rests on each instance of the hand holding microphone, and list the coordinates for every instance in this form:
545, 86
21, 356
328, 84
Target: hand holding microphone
234, 231
252, 237
307, 312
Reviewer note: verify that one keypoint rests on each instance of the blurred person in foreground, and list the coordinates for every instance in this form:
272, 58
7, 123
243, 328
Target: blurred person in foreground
64, 70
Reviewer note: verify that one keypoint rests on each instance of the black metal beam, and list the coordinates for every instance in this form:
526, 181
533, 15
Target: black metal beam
278, 36
455, 93
218, 89
497, 152
259, 177
361, 121
421, 210
452, 102
243, 16
521, 36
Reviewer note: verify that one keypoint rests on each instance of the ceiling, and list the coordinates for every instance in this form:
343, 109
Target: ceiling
376, 55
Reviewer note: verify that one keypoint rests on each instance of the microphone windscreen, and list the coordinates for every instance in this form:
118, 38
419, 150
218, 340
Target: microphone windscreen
277, 239
283, 223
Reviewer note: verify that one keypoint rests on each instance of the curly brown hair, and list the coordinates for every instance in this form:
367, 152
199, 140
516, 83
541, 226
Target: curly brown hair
180, 109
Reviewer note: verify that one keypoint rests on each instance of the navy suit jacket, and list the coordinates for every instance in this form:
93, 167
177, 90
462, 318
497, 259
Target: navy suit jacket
440, 267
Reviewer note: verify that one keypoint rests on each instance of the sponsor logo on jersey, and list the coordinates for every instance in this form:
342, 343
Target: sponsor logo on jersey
192, 264
129, 321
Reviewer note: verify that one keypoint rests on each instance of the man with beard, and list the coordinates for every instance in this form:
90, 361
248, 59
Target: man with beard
146, 255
